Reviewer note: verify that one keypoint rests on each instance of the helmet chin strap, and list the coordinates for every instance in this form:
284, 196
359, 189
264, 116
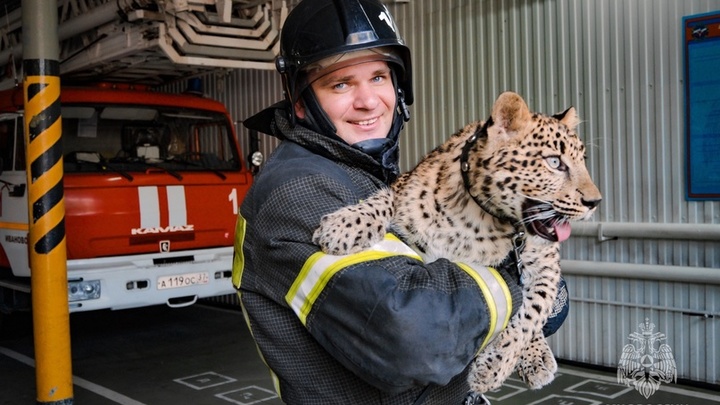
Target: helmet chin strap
377, 147
320, 123
372, 147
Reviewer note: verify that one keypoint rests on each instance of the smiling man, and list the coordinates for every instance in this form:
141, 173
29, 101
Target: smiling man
358, 99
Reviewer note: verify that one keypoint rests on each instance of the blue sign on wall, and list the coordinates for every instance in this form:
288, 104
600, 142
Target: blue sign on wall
701, 38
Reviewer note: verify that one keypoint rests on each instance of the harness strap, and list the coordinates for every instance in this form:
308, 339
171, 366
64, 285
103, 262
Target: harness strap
519, 237
481, 133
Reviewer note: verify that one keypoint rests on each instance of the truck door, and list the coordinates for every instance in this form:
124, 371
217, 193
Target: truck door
13, 196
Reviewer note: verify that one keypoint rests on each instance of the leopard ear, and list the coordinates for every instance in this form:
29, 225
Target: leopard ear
568, 117
510, 112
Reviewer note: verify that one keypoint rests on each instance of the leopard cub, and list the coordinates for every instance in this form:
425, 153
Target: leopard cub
518, 175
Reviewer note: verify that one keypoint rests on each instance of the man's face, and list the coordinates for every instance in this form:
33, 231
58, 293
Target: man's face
358, 99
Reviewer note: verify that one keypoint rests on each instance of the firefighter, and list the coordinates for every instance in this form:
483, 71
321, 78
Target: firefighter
358, 329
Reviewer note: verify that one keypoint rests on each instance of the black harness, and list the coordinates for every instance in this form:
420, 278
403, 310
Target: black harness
518, 239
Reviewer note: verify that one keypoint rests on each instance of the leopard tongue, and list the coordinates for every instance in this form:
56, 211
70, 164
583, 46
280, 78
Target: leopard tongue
562, 231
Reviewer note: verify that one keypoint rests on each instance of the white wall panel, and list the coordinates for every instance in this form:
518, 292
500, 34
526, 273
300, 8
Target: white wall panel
620, 64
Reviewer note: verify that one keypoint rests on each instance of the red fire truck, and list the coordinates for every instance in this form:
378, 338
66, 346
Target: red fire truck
152, 187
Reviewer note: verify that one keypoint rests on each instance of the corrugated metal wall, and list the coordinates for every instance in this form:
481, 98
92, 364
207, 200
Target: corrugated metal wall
620, 64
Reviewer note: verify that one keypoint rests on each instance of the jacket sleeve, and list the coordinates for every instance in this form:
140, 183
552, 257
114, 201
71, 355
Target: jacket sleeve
393, 320
560, 310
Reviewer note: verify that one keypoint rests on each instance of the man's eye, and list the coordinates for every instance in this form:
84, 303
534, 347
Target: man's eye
339, 86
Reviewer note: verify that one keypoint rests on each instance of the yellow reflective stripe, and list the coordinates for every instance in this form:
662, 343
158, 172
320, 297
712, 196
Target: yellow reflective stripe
497, 296
273, 376
238, 255
238, 266
319, 269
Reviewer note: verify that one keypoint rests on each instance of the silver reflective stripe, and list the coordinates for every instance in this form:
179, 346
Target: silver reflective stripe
497, 296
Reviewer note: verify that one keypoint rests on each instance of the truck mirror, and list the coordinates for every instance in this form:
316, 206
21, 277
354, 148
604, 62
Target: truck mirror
17, 190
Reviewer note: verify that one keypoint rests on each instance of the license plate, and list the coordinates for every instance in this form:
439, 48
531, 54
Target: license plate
182, 280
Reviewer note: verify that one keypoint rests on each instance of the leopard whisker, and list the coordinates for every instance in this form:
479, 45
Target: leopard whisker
542, 210
538, 217
539, 200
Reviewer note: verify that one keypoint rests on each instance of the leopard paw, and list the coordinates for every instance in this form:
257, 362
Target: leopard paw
356, 227
537, 365
480, 377
489, 371
536, 374
348, 230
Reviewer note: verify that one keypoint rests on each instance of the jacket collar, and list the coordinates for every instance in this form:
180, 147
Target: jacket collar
274, 121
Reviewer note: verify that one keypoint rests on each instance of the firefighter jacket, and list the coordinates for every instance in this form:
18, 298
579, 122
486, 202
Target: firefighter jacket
376, 327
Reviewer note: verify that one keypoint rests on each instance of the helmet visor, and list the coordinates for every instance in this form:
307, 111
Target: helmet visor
316, 70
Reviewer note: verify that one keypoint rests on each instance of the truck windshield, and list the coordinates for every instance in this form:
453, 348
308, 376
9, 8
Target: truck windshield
125, 139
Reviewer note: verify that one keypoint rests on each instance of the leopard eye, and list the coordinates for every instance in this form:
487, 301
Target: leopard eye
556, 163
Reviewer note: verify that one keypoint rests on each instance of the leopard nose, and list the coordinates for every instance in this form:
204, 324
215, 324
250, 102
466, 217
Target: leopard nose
591, 203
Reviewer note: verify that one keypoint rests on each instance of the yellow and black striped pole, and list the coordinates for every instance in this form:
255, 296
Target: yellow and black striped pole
46, 206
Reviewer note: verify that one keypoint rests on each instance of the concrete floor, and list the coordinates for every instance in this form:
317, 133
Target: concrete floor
156, 355
204, 355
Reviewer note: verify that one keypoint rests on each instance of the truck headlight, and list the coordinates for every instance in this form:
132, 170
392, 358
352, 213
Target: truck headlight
83, 290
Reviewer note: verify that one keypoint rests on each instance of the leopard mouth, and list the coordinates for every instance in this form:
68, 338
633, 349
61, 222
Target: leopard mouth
542, 220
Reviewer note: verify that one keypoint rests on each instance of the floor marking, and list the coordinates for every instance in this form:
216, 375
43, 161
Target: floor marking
252, 393
615, 389
674, 390
80, 382
565, 399
205, 380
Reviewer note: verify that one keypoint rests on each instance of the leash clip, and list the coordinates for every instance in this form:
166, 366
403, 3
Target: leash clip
474, 398
518, 241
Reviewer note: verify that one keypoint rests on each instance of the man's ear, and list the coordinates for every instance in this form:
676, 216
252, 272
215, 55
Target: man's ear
299, 109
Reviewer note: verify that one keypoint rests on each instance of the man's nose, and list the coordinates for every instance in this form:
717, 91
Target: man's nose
366, 97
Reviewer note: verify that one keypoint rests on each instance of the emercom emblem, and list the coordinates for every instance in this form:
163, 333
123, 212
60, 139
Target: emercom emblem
642, 365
